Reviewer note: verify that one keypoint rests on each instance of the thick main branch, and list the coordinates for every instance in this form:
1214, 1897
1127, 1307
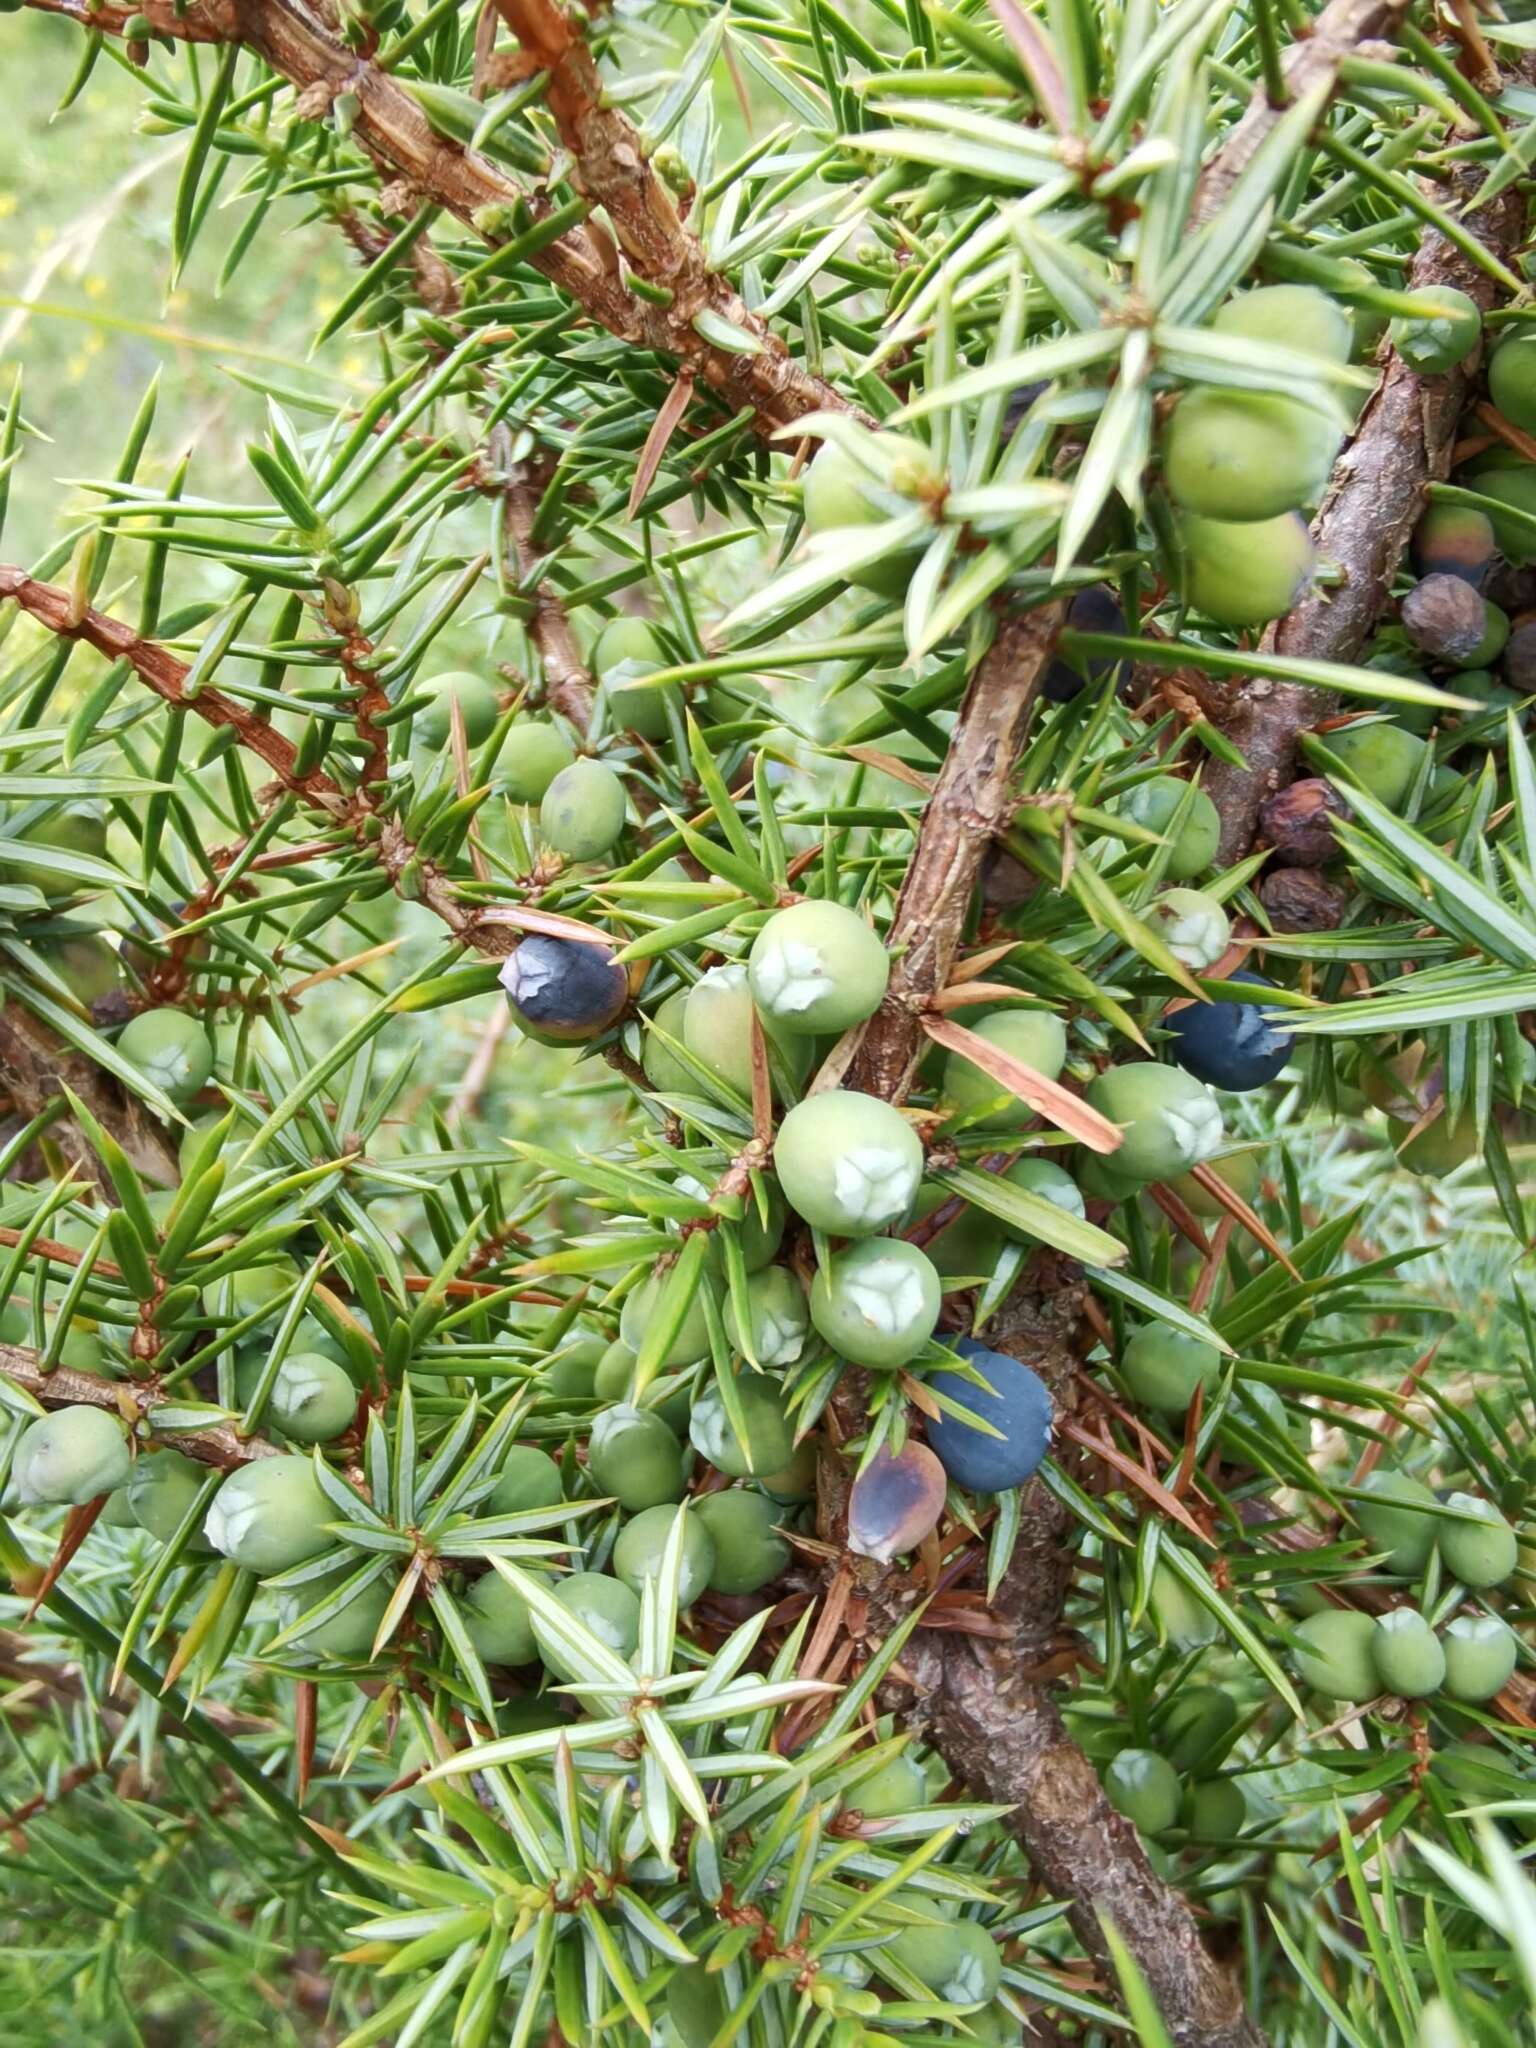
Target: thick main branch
757, 372
987, 1707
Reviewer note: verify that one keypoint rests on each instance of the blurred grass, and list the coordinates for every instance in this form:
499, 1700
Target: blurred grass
85, 207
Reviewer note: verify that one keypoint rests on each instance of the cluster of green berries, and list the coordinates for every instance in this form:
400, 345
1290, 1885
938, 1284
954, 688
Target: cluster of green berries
1346, 1653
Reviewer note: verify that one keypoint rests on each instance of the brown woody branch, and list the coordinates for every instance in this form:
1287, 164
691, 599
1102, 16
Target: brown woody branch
1338, 31
986, 1705
37, 1066
221, 1444
1403, 440
391, 127
970, 805
166, 676
566, 681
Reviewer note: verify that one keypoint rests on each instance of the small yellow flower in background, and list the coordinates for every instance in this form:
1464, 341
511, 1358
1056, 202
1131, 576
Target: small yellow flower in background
8, 203
354, 367
42, 235
93, 286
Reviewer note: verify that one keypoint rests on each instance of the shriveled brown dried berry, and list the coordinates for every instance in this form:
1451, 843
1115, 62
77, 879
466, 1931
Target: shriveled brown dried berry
1303, 900
1298, 822
1446, 618
1520, 655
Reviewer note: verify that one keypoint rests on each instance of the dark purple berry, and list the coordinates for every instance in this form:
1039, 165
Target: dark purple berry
896, 1501
563, 990
1230, 1045
1094, 610
1019, 1406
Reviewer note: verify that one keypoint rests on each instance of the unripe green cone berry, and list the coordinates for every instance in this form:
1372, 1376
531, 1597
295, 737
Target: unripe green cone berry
1295, 316
70, 1456
642, 1545
897, 1787
1480, 1656
717, 1030
1192, 1732
696, 2005
264, 1288
1512, 379
761, 1237
1099, 1181
795, 1479
73, 828
1242, 1172
312, 1399
570, 1373
476, 699
1436, 1150
958, 1961
116, 1513
1244, 455
270, 1514
1037, 1038
348, 1634
1440, 337
605, 1607
529, 1478
1245, 574
817, 967
1334, 1654
84, 962
770, 1435
848, 1163
1398, 1520
635, 1458
499, 1624
749, 1551
1145, 1788
691, 1342
615, 1373
968, 1246
1178, 1617
1169, 1121
169, 1048
1193, 926
1516, 487
1163, 1367
1155, 804
840, 492
625, 650
161, 1489
1052, 1183
779, 1317
1480, 1550
877, 1302
535, 752
1218, 1811
582, 812
663, 1069
1409, 1659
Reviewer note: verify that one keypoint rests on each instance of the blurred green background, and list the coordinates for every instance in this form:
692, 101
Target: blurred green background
85, 210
